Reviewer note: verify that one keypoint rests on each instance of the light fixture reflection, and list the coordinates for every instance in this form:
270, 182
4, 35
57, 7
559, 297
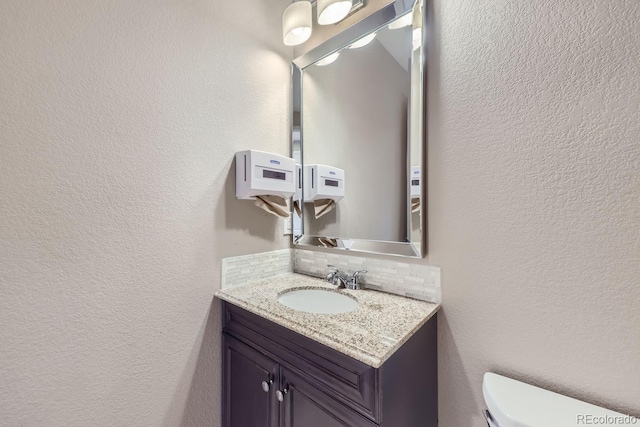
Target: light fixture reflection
328, 60
332, 11
363, 41
401, 22
297, 21
417, 38
417, 29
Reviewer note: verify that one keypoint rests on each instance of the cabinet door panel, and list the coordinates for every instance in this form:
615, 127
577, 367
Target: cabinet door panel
306, 406
352, 382
246, 402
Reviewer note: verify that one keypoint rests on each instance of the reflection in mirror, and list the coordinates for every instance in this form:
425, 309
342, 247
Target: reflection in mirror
359, 143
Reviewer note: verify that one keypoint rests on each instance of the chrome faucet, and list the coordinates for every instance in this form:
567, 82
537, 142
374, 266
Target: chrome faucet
343, 280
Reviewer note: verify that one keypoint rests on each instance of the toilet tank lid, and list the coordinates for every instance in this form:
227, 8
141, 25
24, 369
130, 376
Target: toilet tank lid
516, 404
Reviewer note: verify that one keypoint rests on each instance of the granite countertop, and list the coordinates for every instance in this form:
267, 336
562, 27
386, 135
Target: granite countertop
371, 333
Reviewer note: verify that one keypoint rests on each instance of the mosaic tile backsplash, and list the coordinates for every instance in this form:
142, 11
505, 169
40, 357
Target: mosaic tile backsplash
420, 281
240, 270
414, 280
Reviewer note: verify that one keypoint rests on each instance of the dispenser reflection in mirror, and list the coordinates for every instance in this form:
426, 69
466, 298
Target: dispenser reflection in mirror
416, 189
358, 107
323, 187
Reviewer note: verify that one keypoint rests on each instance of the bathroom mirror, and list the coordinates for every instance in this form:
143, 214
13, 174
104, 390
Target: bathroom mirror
358, 137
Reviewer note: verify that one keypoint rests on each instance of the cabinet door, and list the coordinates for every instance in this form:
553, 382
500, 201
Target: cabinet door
306, 406
247, 401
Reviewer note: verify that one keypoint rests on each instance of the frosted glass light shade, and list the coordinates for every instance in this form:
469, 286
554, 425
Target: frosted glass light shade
328, 60
363, 41
332, 11
296, 23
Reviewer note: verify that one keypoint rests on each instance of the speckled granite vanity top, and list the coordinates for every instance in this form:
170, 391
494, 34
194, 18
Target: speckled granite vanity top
371, 333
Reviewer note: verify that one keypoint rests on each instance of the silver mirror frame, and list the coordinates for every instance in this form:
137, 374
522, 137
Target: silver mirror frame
372, 23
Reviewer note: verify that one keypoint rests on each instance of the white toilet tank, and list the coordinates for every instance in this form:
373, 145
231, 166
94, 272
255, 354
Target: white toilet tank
513, 403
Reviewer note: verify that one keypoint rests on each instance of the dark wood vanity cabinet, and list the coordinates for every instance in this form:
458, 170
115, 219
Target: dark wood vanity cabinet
274, 377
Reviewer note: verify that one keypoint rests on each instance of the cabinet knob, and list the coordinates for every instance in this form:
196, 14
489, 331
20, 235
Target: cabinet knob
280, 394
266, 385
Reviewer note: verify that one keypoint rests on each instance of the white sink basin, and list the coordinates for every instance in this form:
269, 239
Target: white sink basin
319, 301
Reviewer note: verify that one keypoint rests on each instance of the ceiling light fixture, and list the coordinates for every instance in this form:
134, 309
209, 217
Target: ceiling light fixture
363, 41
328, 60
297, 22
332, 11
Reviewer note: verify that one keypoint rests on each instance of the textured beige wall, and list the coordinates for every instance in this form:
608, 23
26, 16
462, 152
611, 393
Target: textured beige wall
116, 140
118, 123
534, 198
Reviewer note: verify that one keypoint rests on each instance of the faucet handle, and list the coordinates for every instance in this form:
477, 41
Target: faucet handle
331, 276
336, 277
357, 274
